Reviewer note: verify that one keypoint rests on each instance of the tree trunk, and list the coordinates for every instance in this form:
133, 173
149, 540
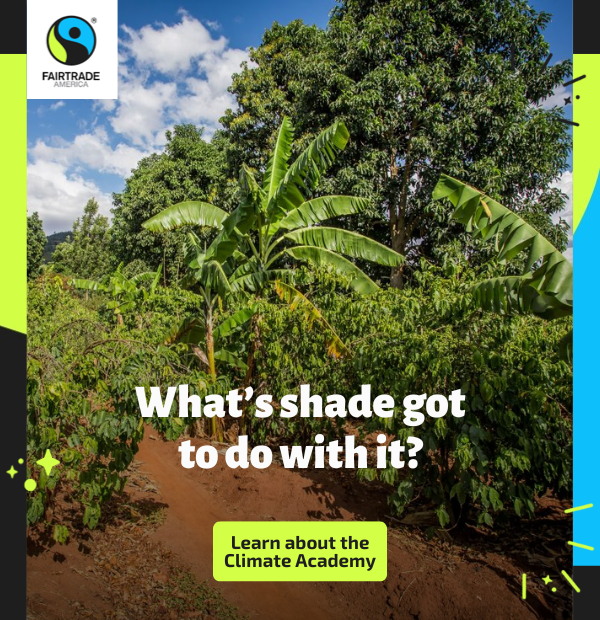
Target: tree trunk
399, 245
216, 422
210, 350
249, 378
399, 227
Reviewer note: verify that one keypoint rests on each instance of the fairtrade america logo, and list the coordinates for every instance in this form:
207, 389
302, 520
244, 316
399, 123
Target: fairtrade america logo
71, 40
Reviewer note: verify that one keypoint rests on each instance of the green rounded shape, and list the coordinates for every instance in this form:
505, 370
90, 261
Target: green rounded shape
30, 484
21, 461
56, 49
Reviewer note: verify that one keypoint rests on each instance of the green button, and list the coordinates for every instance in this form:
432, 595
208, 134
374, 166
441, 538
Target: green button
299, 551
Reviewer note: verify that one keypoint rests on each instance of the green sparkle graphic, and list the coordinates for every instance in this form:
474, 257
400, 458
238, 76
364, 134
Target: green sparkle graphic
48, 462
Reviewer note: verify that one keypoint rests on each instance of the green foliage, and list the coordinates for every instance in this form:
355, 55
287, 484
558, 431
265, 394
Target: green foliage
86, 253
515, 439
251, 235
422, 88
547, 291
190, 169
82, 404
128, 294
36, 241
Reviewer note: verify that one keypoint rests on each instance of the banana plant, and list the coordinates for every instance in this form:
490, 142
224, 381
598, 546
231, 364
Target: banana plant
205, 337
209, 279
545, 288
277, 224
127, 293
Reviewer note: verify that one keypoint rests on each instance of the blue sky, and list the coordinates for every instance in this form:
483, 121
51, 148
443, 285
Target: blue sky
176, 63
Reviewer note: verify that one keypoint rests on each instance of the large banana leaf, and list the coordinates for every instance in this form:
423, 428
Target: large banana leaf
358, 280
212, 276
346, 242
223, 355
249, 185
319, 209
88, 285
296, 300
257, 280
518, 295
278, 163
237, 224
234, 321
547, 291
306, 170
191, 213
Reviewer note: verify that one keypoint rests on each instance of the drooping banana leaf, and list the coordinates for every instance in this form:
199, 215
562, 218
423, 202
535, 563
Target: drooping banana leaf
320, 209
346, 242
358, 280
233, 322
190, 213
547, 291
212, 276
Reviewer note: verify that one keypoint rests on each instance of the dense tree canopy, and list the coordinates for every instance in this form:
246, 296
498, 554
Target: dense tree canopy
189, 169
86, 253
36, 241
424, 88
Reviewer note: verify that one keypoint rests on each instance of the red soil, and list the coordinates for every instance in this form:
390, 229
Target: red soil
426, 580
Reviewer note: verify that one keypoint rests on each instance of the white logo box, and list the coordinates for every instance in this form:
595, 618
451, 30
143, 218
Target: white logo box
94, 78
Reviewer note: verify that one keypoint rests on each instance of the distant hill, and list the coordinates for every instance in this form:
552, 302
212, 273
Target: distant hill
52, 241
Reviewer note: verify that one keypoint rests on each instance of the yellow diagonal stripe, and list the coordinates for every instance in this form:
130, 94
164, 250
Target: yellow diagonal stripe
574, 544
575, 586
579, 508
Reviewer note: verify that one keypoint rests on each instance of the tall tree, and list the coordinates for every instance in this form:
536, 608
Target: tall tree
189, 169
36, 241
424, 87
87, 253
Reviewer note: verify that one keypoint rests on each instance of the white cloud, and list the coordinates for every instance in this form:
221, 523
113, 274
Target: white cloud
88, 150
57, 187
171, 49
60, 197
168, 74
557, 98
142, 109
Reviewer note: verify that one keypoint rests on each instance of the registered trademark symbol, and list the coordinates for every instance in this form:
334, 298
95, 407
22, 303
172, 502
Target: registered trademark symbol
94, 20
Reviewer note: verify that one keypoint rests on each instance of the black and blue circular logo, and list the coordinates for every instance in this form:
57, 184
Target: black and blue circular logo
71, 40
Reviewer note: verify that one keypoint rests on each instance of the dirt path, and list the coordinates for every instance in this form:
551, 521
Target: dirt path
424, 581
193, 510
